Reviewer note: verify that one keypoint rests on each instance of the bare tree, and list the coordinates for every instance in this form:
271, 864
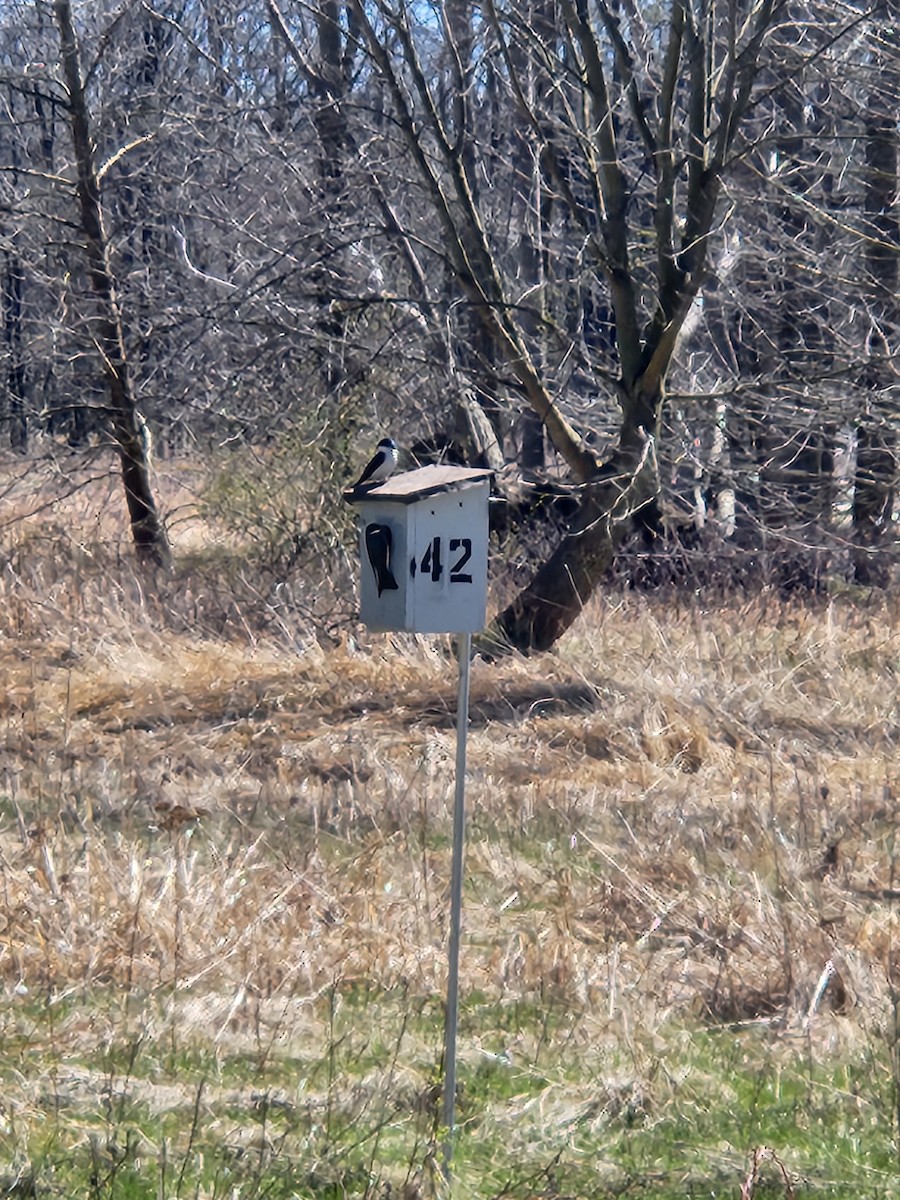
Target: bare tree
636, 105
147, 530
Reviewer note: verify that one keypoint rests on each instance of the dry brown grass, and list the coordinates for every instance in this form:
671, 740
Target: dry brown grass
676, 820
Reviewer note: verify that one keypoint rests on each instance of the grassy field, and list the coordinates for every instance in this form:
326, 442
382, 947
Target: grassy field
225, 870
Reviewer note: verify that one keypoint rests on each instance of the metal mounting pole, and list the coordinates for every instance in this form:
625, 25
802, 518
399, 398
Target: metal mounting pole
456, 885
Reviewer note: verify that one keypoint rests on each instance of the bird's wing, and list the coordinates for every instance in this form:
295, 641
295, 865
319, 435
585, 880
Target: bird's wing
370, 469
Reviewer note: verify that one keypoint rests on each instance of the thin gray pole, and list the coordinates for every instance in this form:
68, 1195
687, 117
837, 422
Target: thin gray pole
456, 885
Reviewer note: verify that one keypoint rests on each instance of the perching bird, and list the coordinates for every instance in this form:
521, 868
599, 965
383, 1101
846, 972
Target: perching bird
381, 465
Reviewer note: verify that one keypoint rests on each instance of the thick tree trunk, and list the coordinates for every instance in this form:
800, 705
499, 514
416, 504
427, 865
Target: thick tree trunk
565, 582
148, 532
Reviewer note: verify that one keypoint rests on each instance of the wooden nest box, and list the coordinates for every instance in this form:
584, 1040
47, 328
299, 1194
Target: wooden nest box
423, 545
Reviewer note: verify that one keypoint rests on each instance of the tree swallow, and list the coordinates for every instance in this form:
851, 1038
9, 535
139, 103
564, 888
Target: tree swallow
382, 464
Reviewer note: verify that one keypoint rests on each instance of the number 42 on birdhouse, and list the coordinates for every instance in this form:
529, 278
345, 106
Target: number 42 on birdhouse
433, 563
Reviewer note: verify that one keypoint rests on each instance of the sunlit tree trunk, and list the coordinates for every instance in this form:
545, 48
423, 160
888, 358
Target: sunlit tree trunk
148, 532
532, 210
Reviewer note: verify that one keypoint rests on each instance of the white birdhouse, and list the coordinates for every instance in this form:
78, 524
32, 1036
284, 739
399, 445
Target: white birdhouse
423, 541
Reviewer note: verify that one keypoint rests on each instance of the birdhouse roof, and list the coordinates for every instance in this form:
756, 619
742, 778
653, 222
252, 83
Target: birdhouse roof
415, 485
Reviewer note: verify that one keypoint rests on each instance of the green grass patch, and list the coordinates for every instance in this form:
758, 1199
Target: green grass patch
549, 1105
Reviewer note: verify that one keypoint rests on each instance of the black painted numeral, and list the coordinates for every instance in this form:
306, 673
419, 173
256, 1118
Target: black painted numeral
431, 561
457, 575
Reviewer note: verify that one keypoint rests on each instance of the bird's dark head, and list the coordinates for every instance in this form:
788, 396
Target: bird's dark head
387, 444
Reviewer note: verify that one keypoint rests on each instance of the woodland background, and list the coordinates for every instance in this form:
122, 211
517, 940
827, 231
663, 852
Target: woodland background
579, 242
